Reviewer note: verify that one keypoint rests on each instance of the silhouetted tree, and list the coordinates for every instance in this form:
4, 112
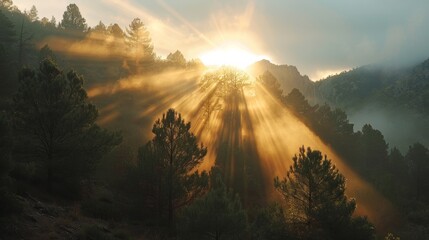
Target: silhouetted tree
169, 162
53, 21
33, 14
73, 20
418, 158
271, 84
139, 42
44, 21
98, 34
116, 39
24, 41
8, 202
217, 215
100, 28
7, 40
297, 103
46, 53
7, 32
55, 123
5, 150
177, 59
399, 174
271, 224
314, 191
195, 63
7, 4
225, 82
373, 148
116, 31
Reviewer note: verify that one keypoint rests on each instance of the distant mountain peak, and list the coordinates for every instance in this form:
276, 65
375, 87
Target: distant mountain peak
288, 75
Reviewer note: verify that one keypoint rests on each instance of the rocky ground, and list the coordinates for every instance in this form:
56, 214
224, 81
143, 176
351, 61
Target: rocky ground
47, 219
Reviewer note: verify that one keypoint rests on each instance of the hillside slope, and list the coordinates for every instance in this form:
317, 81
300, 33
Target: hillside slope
393, 100
288, 76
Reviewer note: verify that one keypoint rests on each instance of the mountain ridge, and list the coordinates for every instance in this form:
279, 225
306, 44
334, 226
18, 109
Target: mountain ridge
383, 96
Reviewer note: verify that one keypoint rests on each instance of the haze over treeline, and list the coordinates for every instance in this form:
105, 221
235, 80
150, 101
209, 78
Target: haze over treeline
103, 139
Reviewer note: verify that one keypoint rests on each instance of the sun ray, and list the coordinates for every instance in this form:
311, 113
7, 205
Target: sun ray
252, 136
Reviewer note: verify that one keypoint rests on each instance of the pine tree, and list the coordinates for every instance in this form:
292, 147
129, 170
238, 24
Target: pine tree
7, 4
314, 191
33, 14
139, 42
73, 20
271, 84
7, 39
418, 158
177, 59
217, 215
169, 163
55, 124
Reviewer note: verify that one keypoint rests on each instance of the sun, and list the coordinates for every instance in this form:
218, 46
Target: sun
234, 55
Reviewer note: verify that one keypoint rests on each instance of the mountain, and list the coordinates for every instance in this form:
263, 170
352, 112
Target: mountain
406, 88
288, 76
393, 100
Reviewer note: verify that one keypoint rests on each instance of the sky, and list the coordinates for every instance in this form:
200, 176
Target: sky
318, 37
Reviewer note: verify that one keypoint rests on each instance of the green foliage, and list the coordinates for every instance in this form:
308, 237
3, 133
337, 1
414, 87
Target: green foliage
168, 166
7, 33
9, 204
373, 148
271, 224
73, 20
217, 215
5, 149
46, 53
33, 14
418, 158
359, 229
406, 88
314, 192
7, 44
56, 124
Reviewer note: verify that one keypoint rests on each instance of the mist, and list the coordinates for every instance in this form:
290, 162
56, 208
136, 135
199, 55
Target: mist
401, 128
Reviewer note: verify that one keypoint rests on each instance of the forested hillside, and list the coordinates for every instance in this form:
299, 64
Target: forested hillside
288, 76
103, 138
384, 96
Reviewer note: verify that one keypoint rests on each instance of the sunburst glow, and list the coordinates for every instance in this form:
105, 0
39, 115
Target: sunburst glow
234, 55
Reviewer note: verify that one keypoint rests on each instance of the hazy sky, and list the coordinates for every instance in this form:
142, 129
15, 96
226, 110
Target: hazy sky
319, 37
